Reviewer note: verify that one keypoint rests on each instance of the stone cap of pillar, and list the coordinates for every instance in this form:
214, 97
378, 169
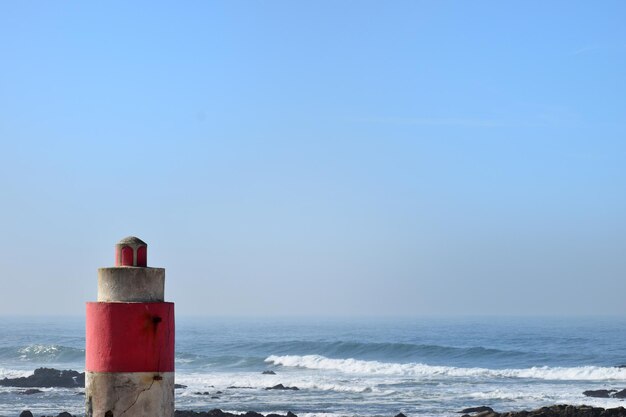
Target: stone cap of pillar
131, 251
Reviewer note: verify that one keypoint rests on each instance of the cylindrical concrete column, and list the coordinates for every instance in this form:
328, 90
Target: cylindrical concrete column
130, 339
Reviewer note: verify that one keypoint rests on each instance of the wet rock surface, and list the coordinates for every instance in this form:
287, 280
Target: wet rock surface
552, 411
27, 413
187, 413
605, 393
31, 391
475, 410
558, 411
599, 393
219, 413
283, 388
47, 378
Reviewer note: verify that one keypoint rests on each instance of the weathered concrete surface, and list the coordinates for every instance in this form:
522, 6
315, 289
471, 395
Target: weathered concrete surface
131, 284
129, 394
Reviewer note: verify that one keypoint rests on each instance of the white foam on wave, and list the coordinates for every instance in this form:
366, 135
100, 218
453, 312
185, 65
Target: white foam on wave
13, 373
511, 395
38, 350
246, 380
355, 366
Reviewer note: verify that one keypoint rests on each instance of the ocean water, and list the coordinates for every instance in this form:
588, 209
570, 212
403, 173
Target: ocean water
356, 367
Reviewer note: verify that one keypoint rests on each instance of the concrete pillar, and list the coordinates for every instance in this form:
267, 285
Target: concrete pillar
130, 339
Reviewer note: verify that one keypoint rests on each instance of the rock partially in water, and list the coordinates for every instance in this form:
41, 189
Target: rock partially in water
552, 411
475, 410
47, 378
268, 373
599, 393
27, 413
219, 413
31, 391
283, 388
605, 393
560, 411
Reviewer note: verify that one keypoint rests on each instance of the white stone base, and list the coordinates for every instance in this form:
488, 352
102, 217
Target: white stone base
129, 394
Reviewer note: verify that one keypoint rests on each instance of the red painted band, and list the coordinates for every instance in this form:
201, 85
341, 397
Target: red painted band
130, 337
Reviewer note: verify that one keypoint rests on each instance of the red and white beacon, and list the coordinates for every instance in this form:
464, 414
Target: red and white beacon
130, 339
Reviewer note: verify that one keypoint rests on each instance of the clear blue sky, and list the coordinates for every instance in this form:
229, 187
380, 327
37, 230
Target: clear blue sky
317, 158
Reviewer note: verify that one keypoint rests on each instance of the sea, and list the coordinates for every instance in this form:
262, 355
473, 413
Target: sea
420, 366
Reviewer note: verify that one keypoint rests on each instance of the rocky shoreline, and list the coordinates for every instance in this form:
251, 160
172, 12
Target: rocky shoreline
48, 377
552, 411
184, 413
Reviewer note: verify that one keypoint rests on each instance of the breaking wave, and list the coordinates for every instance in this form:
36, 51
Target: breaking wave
393, 351
42, 353
355, 366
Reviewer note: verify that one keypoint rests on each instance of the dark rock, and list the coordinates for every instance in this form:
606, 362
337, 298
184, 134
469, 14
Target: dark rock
48, 378
620, 394
216, 412
26, 413
564, 411
475, 410
215, 397
202, 393
219, 392
31, 391
187, 413
486, 414
219, 413
282, 387
236, 387
400, 415
65, 414
177, 386
269, 373
253, 414
599, 393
